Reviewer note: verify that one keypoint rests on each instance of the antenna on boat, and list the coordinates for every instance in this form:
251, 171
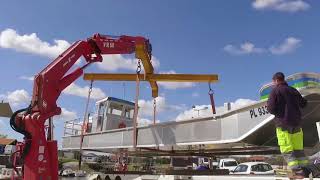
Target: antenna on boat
85, 123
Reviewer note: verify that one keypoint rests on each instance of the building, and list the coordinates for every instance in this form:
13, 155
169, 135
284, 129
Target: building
7, 147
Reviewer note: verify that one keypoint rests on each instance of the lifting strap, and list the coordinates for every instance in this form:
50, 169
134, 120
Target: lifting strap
136, 107
122, 123
212, 99
84, 123
154, 110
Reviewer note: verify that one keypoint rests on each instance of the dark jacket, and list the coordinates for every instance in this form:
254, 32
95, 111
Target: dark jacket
285, 103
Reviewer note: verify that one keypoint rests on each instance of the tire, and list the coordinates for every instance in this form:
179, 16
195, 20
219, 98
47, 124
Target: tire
117, 178
98, 177
107, 178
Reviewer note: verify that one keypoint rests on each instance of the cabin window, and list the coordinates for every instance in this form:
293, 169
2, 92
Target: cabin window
129, 113
99, 123
126, 113
117, 112
115, 109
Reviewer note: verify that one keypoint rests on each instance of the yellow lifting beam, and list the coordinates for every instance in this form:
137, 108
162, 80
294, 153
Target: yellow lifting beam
153, 78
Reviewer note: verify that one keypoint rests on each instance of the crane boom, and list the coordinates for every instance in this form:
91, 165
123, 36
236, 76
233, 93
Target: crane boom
38, 151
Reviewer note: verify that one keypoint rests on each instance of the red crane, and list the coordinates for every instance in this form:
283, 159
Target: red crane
39, 151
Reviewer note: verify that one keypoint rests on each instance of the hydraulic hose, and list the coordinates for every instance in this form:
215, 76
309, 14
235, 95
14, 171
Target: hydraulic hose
27, 135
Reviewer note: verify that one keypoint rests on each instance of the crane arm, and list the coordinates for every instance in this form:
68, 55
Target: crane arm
38, 151
51, 81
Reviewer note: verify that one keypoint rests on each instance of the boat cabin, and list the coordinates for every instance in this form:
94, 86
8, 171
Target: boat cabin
112, 113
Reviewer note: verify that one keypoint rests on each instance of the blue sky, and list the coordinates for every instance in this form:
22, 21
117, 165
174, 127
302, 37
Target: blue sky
244, 42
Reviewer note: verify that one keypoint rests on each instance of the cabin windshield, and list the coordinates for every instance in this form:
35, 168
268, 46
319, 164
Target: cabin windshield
115, 109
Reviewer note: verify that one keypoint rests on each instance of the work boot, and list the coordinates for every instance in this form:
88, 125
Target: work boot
296, 174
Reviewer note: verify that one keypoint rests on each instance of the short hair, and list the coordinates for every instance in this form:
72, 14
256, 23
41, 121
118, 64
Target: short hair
278, 76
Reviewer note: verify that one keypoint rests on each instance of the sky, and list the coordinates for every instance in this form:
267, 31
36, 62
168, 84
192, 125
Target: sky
244, 42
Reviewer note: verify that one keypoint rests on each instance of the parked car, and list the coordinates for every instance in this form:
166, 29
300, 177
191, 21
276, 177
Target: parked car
2, 166
6, 173
254, 168
68, 173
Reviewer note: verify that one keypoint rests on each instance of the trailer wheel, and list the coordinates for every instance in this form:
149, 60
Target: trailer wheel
107, 178
118, 178
98, 177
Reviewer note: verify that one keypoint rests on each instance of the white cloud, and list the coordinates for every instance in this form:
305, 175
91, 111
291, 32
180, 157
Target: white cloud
29, 78
281, 5
245, 48
76, 90
206, 110
241, 102
146, 106
175, 85
21, 97
31, 43
116, 62
289, 45
66, 115
155, 62
144, 121
17, 98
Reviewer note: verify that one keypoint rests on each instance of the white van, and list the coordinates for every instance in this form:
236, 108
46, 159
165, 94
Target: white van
229, 164
9, 149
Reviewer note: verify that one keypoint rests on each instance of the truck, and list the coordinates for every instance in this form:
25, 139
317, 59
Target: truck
228, 163
178, 163
222, 163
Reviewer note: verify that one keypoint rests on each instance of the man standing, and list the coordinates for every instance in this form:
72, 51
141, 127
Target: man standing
285, 103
